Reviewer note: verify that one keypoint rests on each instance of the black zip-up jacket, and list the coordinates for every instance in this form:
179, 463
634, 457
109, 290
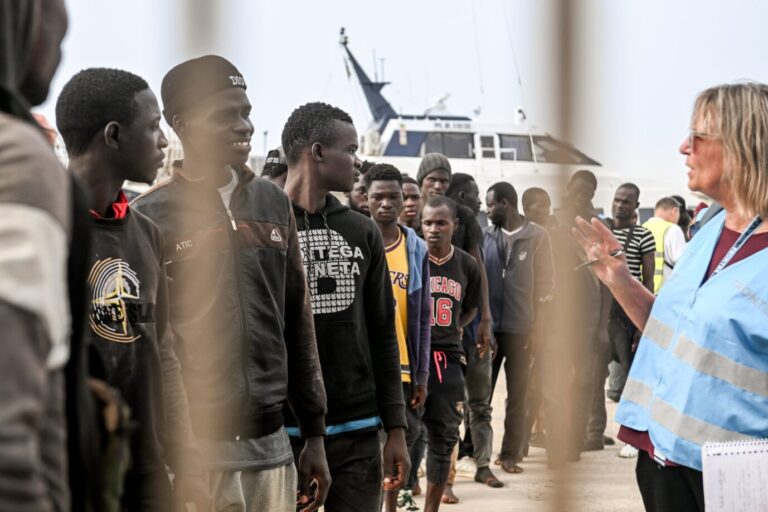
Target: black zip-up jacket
240, 308
354, 314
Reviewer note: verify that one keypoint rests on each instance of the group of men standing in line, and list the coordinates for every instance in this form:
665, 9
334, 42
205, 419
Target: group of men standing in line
238, 346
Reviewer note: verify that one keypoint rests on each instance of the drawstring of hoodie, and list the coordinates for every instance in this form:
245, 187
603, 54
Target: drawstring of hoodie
309, 258
327, 228
439, 357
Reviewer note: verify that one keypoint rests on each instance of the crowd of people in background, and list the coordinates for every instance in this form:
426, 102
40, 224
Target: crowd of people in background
307, 337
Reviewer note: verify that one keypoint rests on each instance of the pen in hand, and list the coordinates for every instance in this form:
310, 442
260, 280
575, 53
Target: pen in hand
612, 254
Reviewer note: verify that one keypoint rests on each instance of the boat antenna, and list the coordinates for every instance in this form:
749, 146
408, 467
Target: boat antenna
479, 64
522, 90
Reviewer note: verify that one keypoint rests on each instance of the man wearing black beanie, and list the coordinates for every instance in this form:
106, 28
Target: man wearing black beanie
434, 178
240, 307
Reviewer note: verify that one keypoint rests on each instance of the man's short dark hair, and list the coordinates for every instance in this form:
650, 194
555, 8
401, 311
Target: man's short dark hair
438, 201
408, 179
585, 175
366, 166
93, 98
504, 191
310, 123
382, 172
532, 194
631, 186
459, 182
667, 203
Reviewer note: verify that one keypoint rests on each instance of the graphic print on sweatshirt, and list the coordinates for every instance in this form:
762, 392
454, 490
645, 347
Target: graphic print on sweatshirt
116, 301
331, 265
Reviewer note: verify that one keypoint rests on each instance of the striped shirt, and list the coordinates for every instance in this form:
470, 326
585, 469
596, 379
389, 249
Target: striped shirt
642, 243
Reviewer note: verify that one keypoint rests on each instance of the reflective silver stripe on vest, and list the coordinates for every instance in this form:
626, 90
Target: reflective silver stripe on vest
658, 272
658, 332
636, 391
689, 428
721, 367
658, 254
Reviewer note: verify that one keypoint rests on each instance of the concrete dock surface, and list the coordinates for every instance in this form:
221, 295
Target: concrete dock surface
600, 482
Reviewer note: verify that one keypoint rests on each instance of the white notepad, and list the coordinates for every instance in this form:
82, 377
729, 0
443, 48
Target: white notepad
736, 476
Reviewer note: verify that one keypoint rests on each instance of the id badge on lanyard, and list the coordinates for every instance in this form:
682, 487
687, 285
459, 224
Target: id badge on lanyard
737, 245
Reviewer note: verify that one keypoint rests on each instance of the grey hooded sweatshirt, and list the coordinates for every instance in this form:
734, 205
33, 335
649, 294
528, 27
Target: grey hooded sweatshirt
34, 305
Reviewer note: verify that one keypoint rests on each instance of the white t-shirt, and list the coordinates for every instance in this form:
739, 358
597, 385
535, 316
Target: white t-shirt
674, 245
226, 191
513, 232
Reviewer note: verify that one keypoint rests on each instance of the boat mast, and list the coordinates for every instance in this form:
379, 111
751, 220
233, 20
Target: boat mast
380, 108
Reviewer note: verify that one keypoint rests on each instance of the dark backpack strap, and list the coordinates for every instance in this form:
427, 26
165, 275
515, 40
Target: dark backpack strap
629, 238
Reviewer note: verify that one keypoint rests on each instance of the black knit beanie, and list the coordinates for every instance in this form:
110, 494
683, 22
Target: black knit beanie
196, 79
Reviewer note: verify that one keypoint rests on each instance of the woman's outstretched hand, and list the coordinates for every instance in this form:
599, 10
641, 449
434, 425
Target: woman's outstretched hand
598, 243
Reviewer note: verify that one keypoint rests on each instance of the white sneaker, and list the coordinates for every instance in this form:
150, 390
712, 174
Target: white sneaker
405, 500
466, 467
628, 452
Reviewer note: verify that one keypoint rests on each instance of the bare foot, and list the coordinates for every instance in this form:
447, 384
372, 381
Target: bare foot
449, 498
416, 489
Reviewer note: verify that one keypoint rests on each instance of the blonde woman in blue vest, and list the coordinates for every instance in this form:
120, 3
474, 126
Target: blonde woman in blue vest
701, 369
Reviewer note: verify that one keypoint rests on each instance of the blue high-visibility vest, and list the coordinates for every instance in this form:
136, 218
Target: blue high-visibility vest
701, 370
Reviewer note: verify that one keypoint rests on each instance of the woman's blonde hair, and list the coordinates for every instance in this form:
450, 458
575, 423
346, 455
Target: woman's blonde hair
738, 115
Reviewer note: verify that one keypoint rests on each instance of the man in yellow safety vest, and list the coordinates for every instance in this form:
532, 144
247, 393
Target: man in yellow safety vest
670, 240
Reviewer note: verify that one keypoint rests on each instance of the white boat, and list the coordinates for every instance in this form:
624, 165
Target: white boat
517, 153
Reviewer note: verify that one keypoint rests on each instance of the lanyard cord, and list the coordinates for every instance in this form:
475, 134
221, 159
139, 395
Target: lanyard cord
737, 245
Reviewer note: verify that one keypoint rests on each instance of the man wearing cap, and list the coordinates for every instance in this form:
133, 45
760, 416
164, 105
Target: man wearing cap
275, 167
434, 178
239, 300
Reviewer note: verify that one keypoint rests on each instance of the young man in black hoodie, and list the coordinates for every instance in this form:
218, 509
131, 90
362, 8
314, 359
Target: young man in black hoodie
240, 307
110, 122
353, 310
455, 287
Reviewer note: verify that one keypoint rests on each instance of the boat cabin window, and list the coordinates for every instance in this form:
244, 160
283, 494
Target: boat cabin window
452, 145
488, 146
554, 151
516, 147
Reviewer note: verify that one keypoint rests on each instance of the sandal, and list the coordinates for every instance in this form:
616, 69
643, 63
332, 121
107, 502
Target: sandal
485, 476
510, 466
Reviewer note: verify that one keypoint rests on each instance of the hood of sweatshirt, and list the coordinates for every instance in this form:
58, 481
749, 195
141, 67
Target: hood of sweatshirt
332, 205
17, 23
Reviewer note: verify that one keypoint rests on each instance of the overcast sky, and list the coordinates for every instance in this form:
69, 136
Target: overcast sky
641, 62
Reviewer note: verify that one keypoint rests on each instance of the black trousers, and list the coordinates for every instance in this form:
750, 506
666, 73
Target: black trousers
669, 488
412, 416
356, 471
514, 352
569, 368
443, 413
147, 491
